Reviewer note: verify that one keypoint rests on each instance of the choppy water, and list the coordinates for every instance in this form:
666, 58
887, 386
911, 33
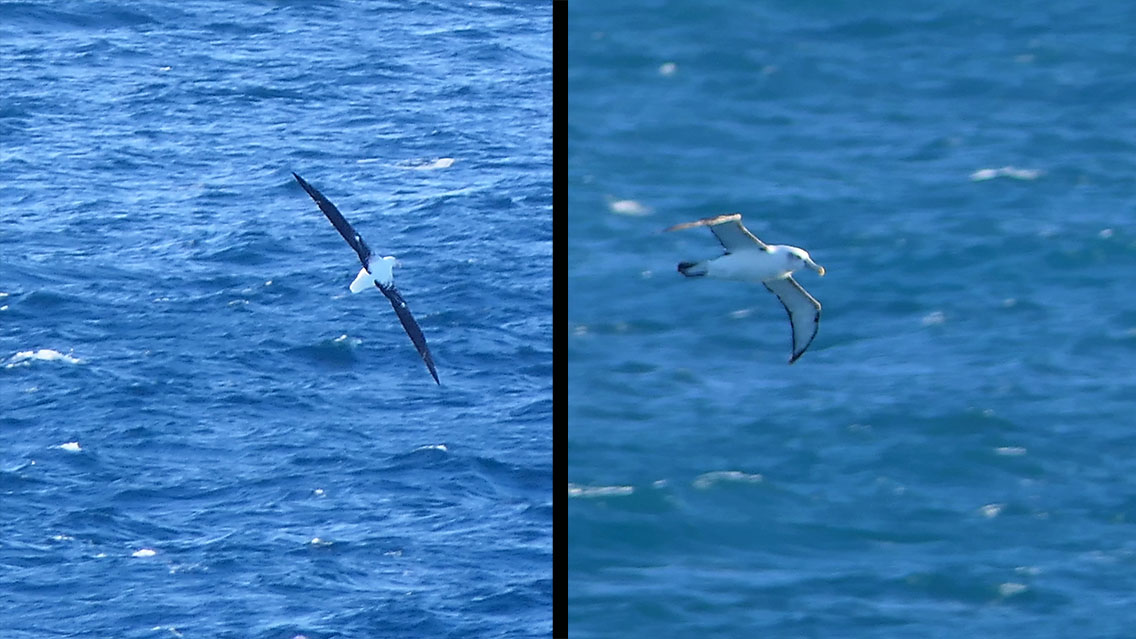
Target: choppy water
202, 433
954, 455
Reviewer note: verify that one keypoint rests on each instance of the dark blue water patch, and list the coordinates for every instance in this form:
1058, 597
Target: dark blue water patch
36, 17
952, 443
212, 437
333, 353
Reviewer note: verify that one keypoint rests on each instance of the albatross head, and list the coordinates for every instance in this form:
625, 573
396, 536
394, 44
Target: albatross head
800, 257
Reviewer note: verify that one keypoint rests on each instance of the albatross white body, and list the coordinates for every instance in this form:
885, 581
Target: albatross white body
775, 262
381, 273
748, 259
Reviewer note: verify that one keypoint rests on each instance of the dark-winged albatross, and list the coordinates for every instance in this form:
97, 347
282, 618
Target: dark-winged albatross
379, 271
748, 259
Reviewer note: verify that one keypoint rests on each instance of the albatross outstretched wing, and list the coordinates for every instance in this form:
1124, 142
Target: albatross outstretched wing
356, 241
729, 231
345, 229
410, 326
804, 312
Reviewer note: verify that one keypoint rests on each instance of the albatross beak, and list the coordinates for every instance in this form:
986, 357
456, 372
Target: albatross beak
816, 267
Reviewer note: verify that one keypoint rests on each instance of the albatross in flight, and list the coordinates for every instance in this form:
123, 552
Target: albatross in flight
377, 270
748, 259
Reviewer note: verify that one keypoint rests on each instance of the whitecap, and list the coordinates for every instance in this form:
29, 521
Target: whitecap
628, 207
706, 480
991, 510
441, 447
71, 447
440, 163
982, 175
668, 68
934, 318
351, 342
1009, 589
144, 552
599, 491
24, 358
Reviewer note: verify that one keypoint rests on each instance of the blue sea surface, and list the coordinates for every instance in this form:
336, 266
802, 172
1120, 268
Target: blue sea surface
202, 432
954, 455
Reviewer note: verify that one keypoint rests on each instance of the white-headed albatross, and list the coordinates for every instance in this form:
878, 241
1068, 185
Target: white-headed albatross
748, 259
377, 270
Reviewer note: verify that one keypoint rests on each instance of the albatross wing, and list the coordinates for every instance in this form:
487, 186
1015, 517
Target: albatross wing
729, 231
804, 312
410, 326
378, 273
345, 229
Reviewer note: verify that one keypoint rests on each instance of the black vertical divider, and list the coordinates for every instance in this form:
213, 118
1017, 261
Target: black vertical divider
559, 319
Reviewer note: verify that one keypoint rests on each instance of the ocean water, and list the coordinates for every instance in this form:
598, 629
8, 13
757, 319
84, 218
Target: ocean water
202, 432
954, 455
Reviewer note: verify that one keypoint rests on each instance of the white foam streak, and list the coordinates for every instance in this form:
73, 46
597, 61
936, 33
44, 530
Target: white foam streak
599, 491
982, 175
25, 358
628, 207
706, 480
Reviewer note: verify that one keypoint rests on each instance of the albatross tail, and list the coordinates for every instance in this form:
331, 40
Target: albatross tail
692, 269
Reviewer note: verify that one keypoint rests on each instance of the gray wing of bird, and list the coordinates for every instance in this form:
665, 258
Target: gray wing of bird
729, 231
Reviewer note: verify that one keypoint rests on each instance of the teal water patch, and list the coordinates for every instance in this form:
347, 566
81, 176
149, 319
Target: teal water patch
951, 455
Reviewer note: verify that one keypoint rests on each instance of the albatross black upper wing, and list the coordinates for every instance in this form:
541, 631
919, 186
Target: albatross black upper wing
345, 229
410, 325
